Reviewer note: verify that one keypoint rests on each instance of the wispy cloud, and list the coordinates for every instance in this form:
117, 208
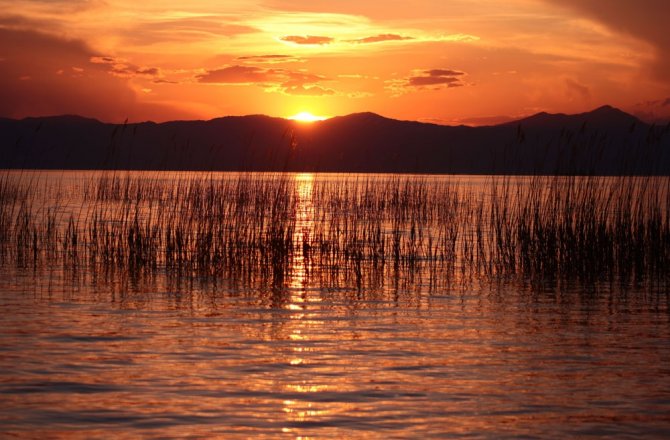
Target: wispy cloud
270, 59
285, 81
196, 28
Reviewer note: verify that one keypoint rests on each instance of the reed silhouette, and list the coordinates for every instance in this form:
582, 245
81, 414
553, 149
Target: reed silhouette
344, 230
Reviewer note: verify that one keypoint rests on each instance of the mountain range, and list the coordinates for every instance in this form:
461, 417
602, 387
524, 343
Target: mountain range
604, 141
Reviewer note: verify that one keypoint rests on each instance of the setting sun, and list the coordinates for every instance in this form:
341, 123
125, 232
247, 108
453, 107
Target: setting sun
307, 117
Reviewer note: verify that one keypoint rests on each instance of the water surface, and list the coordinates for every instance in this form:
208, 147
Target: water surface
88, 352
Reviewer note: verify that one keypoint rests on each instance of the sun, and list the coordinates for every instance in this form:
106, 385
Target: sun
307, 117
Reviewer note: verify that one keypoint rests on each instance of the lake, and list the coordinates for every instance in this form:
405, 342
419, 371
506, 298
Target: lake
164, 304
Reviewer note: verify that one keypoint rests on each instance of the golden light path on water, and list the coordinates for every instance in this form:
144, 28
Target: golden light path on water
303, 322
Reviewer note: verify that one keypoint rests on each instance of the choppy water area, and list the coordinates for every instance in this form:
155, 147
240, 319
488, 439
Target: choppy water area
415, 348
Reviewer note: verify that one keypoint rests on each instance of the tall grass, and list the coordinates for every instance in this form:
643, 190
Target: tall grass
334, 231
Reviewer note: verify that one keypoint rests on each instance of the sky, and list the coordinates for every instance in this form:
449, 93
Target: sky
474, 62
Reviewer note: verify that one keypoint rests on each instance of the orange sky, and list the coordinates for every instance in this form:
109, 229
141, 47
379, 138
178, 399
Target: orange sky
446, 61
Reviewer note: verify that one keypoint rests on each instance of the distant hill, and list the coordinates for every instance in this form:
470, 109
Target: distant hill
604, 141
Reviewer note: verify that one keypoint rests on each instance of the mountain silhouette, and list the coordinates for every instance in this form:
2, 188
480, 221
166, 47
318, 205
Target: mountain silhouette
604, 141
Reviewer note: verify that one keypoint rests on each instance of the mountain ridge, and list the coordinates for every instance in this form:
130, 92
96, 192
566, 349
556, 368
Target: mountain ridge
605, 140
368, 114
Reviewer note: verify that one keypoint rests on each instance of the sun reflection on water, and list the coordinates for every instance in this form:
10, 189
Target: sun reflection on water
304, 226
303, 325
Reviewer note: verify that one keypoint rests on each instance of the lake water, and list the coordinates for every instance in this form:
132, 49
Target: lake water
93, 346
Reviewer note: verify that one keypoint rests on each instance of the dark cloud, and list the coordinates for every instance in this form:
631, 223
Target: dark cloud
444, 72
575, 88
63, 80
121, 68
104, 60
436, 77
164, 81
281, 80
654, 111
418, 81
380, 38
148, 71
647, 20
429, 79
130, 71
307, 40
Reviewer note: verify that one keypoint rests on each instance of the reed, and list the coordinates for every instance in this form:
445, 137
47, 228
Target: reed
275, 228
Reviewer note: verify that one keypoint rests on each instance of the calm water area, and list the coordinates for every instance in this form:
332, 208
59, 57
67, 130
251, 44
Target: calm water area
108, 353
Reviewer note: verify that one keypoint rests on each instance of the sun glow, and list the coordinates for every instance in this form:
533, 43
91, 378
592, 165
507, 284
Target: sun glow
307, 117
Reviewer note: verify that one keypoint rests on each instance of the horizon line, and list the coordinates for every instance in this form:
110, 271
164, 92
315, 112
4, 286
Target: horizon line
460, 123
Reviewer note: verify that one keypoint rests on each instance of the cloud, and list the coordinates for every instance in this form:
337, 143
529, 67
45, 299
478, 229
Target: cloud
104, 60
419, 81
446, 77
123, 69
148, 71
380, 38
307, 90
164, 81
433, 79
575, 88
444, 72
479, 121
240, 75
307, 40
151, 31
70, 6
63, 80
130, 71
269, 59
653, 111
285, 81
313, 40
647, 21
